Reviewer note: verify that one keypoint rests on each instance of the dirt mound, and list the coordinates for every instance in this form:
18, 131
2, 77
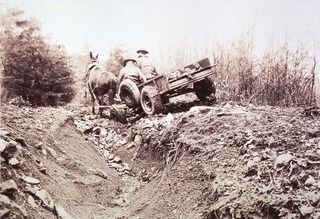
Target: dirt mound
222, 161
66, 166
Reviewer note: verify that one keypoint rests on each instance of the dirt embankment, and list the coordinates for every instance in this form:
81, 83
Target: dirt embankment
222, 161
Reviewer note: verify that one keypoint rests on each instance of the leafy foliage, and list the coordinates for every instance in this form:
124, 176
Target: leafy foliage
116, 58
281, 77
33, 69
79, 64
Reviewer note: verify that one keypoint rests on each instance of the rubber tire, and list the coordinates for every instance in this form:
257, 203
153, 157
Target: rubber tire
204, 88
150, 100
129, 93
118, 114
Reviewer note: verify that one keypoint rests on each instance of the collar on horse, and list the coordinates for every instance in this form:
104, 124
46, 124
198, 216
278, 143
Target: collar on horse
92, 65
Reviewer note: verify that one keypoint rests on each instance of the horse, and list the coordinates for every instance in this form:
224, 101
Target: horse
100, 82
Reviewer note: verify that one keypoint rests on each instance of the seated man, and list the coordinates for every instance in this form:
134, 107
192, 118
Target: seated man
145, 65
132, 72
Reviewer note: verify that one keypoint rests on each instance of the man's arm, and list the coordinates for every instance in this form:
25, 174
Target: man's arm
121, 75
142, 76
138, 63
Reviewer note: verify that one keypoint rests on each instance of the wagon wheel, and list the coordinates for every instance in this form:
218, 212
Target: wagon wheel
204, 88
129, 93
118, 114
150, 100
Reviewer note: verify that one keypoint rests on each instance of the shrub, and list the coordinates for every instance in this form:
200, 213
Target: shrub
115, 61
281, 77
33, 69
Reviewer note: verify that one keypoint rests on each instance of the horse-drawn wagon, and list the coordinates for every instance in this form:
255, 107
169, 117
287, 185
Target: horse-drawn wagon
152, 95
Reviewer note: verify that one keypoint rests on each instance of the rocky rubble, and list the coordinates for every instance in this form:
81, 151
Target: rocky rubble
17, 189
268, 160
222, 161
106, 140
273, 154
108, 136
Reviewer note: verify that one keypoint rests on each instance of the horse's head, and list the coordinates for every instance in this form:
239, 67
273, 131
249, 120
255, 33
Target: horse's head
93, 61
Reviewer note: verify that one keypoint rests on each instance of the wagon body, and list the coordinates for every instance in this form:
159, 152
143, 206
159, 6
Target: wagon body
179, 85
153, 94
196, 78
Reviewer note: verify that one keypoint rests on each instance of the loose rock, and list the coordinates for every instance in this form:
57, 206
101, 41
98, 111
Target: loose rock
46, 199
32, 202
4, 132
131, 144
117, 159
4, 213
257, 159
116, 166
44, 152
4, 199
31, 180
101, 173
32, 190
138, 139
61, 212
11, 147
283, 158
39, 145
251, 164
14, 161
310, 181
8, 187
313, 196
52, 152
306, 210
21, 209
3, 144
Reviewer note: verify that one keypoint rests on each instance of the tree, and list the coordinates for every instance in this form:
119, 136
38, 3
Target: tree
115, 61
33, 69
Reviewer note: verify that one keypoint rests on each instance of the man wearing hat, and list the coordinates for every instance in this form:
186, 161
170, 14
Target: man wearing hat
144, 64
131, 71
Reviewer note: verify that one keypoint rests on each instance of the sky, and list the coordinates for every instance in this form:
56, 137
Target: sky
158, 25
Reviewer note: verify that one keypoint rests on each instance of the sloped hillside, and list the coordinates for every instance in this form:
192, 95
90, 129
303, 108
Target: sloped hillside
218, 161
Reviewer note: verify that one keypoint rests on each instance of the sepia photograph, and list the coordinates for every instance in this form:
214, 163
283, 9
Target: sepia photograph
158, 109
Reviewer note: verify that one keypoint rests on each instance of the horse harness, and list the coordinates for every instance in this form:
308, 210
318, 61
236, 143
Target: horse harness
90, 68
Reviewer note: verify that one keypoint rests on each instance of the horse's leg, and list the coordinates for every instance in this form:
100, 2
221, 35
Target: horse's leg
100, 100
93, 96
111, 94
99, 97
113, 90
92, 101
